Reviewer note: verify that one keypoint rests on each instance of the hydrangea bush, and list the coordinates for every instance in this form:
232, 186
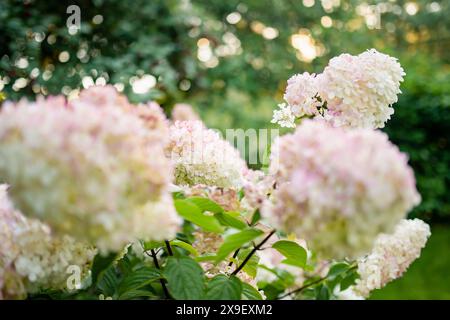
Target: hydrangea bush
102, 199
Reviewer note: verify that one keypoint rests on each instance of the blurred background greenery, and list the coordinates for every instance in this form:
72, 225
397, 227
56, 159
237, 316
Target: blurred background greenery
231, 59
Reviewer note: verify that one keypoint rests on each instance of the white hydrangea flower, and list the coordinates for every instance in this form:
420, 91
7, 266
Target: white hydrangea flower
284, 116
31, 258
96, 171
201, 156
360, 89
301, 94
339, 188
391, 256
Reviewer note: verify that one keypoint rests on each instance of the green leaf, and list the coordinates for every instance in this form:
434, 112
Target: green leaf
191, 212
273, 290
138, 279
251, 267
348, 281
241, 194
177, 195
206, 257
100, 264
337, 269
223, 288
107, 281
250, 292
296, 255
148, 245
291, 262
285, 279
255, 217
184, 245
235, 241
128, 261
187, 231
322, 292
227, 219
134, 294
206, 204
309, 267
185, 278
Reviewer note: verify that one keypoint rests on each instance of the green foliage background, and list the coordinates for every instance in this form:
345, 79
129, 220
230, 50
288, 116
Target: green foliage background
160, 37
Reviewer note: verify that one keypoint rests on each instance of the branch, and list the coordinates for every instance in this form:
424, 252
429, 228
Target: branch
234, 256
302, 288
169, 248
247, 258
353, 267
155, 261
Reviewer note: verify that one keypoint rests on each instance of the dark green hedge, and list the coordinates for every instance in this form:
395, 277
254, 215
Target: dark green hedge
421, 127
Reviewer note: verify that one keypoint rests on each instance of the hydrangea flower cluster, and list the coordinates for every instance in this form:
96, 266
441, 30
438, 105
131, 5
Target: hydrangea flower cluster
31, 258
91, 168
151, 113
339, 188
353, 91
201, 156
391, 256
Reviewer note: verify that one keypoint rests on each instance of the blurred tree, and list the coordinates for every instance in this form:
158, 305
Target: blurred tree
167, 50
140, 46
